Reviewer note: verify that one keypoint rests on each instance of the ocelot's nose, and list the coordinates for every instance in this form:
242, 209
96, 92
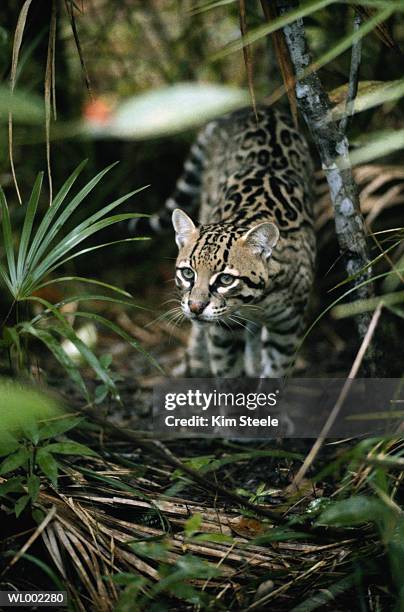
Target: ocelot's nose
197, 306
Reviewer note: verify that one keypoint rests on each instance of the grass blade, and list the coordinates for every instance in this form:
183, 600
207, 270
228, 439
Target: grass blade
32, 286
5, 278
8, 240
56, 349
19, 31
83, 279
67, 212
66, 331
51, 212
72, 240
268, 28
27, 227
101, 213
119, 332
90, 297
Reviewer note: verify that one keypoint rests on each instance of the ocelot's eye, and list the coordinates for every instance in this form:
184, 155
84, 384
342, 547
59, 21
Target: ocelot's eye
187, 273
225, 279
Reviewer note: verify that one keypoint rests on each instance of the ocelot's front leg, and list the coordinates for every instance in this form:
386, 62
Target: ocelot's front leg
280, 340
196, 363
226, 350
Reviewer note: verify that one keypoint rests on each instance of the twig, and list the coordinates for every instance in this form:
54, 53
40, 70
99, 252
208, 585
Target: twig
32, 538
19, 31
353, 76
341, 399
70, 12
247, 54
49, 94
283, 57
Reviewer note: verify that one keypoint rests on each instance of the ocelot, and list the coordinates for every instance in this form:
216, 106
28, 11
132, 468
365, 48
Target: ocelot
245, 270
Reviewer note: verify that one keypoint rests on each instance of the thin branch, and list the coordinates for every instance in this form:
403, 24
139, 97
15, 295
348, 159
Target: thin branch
341, 399
70, 12
247, 54
49, 93
283, 57
19, 32
353, 76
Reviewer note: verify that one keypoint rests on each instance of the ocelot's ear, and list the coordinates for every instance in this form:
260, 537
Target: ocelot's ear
184, 227
262, 238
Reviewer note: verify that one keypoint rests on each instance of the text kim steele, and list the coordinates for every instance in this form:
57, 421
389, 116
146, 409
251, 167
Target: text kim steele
196, 421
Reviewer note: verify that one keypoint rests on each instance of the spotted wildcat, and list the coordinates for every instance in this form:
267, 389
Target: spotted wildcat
245, 270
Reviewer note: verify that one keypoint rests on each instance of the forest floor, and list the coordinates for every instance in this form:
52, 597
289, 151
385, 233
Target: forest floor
132, 510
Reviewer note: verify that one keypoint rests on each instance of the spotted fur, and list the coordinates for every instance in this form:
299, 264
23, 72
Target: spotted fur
245, 271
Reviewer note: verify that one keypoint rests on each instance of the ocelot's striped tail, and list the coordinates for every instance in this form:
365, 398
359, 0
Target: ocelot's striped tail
186, 194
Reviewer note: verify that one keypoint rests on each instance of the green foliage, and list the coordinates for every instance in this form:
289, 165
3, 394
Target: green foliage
20, 410
33, 455
40, 253
140, 592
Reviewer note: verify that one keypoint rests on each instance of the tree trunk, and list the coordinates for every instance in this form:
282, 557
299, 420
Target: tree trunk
333, 148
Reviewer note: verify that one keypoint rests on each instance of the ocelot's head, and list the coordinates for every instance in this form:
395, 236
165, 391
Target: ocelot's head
221, 268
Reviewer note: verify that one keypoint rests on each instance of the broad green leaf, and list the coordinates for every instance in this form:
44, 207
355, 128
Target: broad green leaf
169, 110
70, 448
8, 444
56, 427
12, 485
14, 461
21, 504
353, 511
33, 483
48, 465
193, 524
29, 430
